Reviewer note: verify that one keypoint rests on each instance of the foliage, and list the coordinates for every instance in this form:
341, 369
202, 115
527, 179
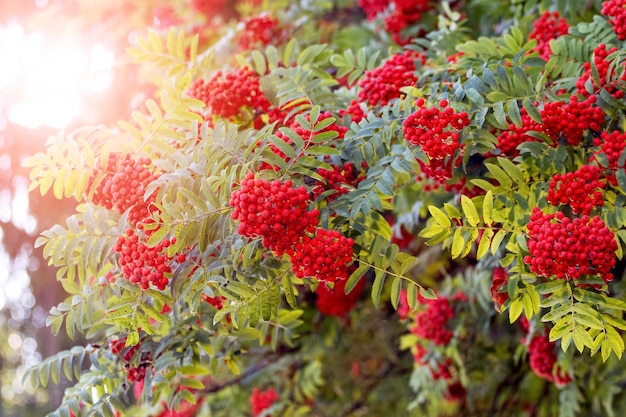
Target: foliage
447, 239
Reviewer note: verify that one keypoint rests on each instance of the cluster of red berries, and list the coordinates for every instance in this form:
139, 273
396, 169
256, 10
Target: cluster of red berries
335, 301
436, 174
217, 302
513, 136
616, 11
141, 264
430, 323
570, 120
566, 248
567, 121
603, 66
259, 31
612, 144
336, 179
123, 186
228, 94
499, 280
209, 8
325, 256
550, 25
134, 373
373, 7
276, 211
184, 409
404, 14
436, 130
381, 85
262, 400
441, 371
542, 359
580, 189
354, 110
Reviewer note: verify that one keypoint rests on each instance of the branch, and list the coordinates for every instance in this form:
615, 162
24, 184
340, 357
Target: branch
254, 369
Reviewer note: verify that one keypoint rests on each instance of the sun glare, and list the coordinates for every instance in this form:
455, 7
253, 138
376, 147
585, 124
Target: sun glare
46, 78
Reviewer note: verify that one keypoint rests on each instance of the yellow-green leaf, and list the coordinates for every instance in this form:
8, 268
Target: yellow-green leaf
469, 209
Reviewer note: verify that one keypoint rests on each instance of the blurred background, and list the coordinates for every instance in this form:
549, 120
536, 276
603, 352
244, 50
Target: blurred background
58, 71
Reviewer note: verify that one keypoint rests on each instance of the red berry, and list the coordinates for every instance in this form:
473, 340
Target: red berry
275, 211
262, 400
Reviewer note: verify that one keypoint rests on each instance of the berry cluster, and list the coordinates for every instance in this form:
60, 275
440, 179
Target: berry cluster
336, 179
603, 66
430, 323
325, 256
373, 7
511, 138
436, 130
404, 14
500, 279
134, 372
381, 85
568, 248
437, 173
123, 186
141, 264
441, 370
561, 121
209, 8
334, 301
542, 358
217, 302
581, 189
355, 111
550, 25
274, 210
612, 144
229, 94
569, 121
262, 400
259, 31
616, 11
184, 409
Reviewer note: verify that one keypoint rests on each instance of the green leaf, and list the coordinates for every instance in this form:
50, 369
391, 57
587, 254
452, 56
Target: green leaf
411, 295
485, 241
439, 216
512, 170
396, 286
512, 110
377, 286
475, 97
469, 209
487, 207
355, 277
531, 110
499, 115
500, 175
496, 96
458, 243
497, 240
515, 310
287, 285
